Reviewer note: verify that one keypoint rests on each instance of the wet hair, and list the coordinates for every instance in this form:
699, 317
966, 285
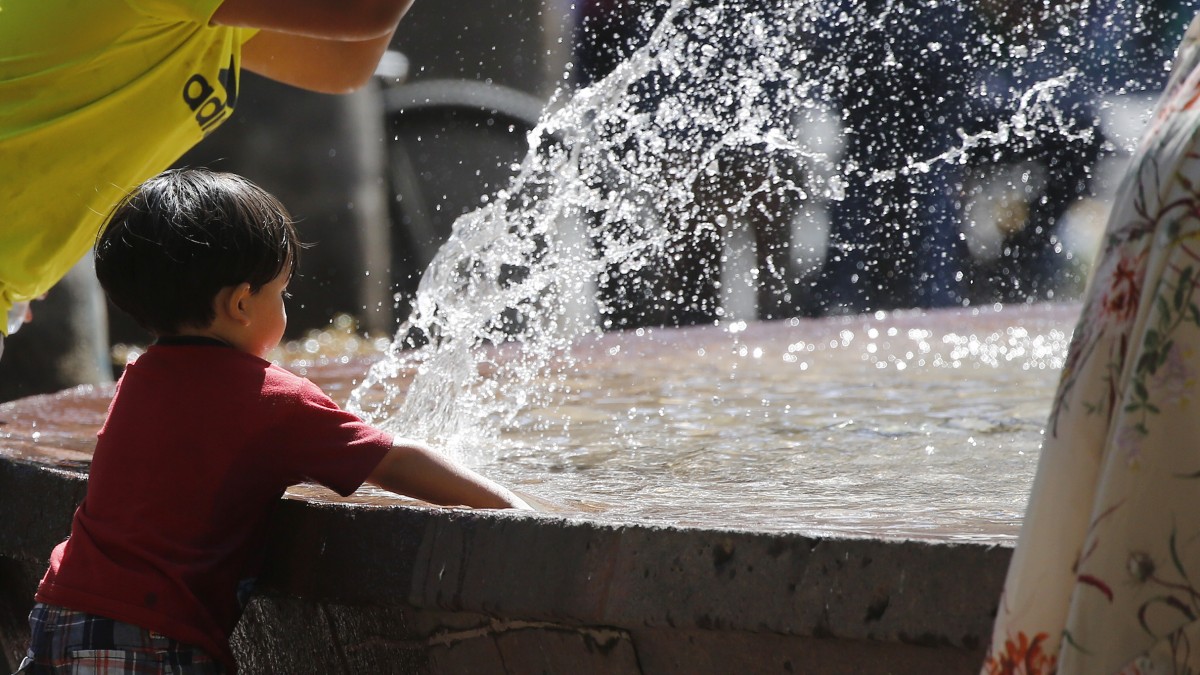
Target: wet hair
173, 243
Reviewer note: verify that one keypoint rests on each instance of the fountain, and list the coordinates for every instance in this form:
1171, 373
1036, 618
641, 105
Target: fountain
853, 515
832, 495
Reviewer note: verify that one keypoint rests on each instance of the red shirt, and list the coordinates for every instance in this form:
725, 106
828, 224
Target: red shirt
199, 445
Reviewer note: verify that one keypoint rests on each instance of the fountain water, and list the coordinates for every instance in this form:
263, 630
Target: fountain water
618, 215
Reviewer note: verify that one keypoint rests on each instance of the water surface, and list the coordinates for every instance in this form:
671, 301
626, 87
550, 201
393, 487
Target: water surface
902, 425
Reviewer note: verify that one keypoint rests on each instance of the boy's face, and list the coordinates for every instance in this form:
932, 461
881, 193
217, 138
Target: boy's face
269, 316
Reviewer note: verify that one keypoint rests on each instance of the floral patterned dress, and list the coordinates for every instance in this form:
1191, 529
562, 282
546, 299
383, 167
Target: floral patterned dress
1106, 574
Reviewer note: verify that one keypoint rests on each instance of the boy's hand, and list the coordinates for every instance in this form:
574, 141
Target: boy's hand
520, 504
416, 470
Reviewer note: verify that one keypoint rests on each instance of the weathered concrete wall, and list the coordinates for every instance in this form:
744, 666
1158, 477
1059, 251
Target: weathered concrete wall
36, 505
354, 589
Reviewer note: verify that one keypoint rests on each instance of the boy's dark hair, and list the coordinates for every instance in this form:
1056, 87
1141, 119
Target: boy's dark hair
182, 236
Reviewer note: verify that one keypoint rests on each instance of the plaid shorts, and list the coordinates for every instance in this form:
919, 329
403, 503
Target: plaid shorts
66, 642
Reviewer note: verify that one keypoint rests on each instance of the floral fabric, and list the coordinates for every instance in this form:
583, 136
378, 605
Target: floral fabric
1106, 574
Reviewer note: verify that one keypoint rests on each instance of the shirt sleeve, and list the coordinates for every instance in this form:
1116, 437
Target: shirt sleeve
198, 11
192, 11
324, 444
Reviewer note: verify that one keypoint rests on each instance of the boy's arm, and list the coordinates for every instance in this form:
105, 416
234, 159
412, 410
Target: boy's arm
329, 46
417, 470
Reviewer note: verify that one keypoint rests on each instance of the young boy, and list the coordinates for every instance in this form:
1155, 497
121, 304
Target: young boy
202, 438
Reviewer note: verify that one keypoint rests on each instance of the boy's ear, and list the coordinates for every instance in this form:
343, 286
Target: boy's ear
231, 303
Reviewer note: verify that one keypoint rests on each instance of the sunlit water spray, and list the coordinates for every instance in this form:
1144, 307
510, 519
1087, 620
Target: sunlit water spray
702, 130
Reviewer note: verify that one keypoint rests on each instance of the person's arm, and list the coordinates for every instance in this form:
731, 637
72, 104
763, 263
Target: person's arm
324, 66
329, 46
415, 470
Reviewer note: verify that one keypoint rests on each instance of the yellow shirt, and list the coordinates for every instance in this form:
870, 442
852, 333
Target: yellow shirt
96, 96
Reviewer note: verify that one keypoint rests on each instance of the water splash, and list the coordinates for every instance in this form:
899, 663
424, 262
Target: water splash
632, 183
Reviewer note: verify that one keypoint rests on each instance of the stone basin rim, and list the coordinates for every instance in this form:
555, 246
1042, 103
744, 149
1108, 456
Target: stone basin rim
375, 560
